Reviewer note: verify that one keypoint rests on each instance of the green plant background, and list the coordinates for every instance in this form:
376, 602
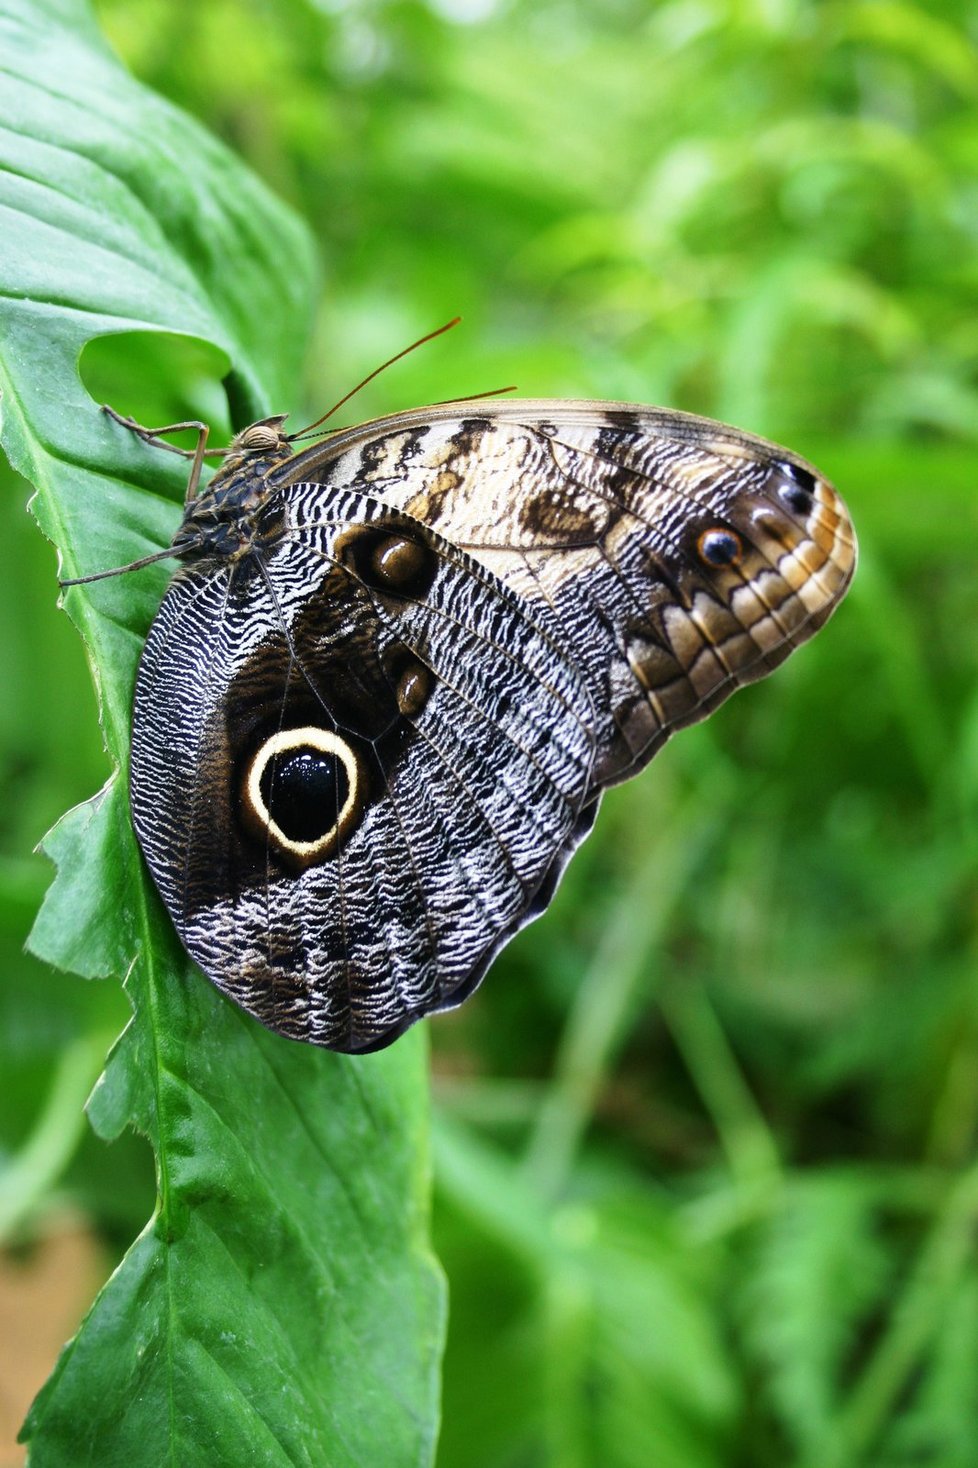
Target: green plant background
706, 1173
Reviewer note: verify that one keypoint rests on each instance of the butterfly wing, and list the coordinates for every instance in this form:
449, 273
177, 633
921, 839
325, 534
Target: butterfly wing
363, 754
359, 764
675, 558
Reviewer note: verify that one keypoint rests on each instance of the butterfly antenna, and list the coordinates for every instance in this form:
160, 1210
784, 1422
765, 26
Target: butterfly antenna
472, 397
116, 570
376, 373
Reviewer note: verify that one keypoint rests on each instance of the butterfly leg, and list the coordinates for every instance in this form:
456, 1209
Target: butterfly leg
154, 436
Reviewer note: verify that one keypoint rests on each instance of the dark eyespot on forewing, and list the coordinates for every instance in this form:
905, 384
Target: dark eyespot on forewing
719, 547
796, 485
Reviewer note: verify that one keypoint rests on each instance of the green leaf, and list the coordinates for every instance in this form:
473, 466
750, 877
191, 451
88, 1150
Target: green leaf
281, 1306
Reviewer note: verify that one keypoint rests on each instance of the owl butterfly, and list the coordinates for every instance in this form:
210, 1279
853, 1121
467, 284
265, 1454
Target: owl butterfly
381, 699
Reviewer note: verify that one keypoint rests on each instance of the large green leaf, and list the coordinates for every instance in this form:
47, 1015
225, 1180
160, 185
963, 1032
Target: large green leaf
281, 1306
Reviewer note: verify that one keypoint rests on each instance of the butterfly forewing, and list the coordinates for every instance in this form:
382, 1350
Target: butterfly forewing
603, 515
375, 715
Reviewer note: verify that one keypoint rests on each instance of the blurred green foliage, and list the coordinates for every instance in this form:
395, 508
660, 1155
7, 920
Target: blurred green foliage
707, 1175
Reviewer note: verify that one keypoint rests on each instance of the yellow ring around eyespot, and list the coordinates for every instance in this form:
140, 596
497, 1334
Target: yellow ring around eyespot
307, 738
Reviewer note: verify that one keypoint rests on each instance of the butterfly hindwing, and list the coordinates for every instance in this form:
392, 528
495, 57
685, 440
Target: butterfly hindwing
355, 764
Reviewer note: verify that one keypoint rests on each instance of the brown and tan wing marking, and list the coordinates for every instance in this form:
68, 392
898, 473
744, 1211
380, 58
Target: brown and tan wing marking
674, 559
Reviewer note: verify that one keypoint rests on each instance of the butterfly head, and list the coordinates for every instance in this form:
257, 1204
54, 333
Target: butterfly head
259, 447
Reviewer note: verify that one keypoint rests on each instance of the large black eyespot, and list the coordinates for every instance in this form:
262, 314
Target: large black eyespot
304, 791
797, 488
720, 547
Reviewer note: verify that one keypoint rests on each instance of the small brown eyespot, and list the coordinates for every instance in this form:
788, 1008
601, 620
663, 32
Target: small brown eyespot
720, 547
413, 690
398, 562
387, 561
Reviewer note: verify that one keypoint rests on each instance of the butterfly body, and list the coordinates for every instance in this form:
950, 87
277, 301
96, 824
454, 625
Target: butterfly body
381, 699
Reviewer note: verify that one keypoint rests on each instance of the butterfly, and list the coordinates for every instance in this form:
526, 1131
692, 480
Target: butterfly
381, 699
